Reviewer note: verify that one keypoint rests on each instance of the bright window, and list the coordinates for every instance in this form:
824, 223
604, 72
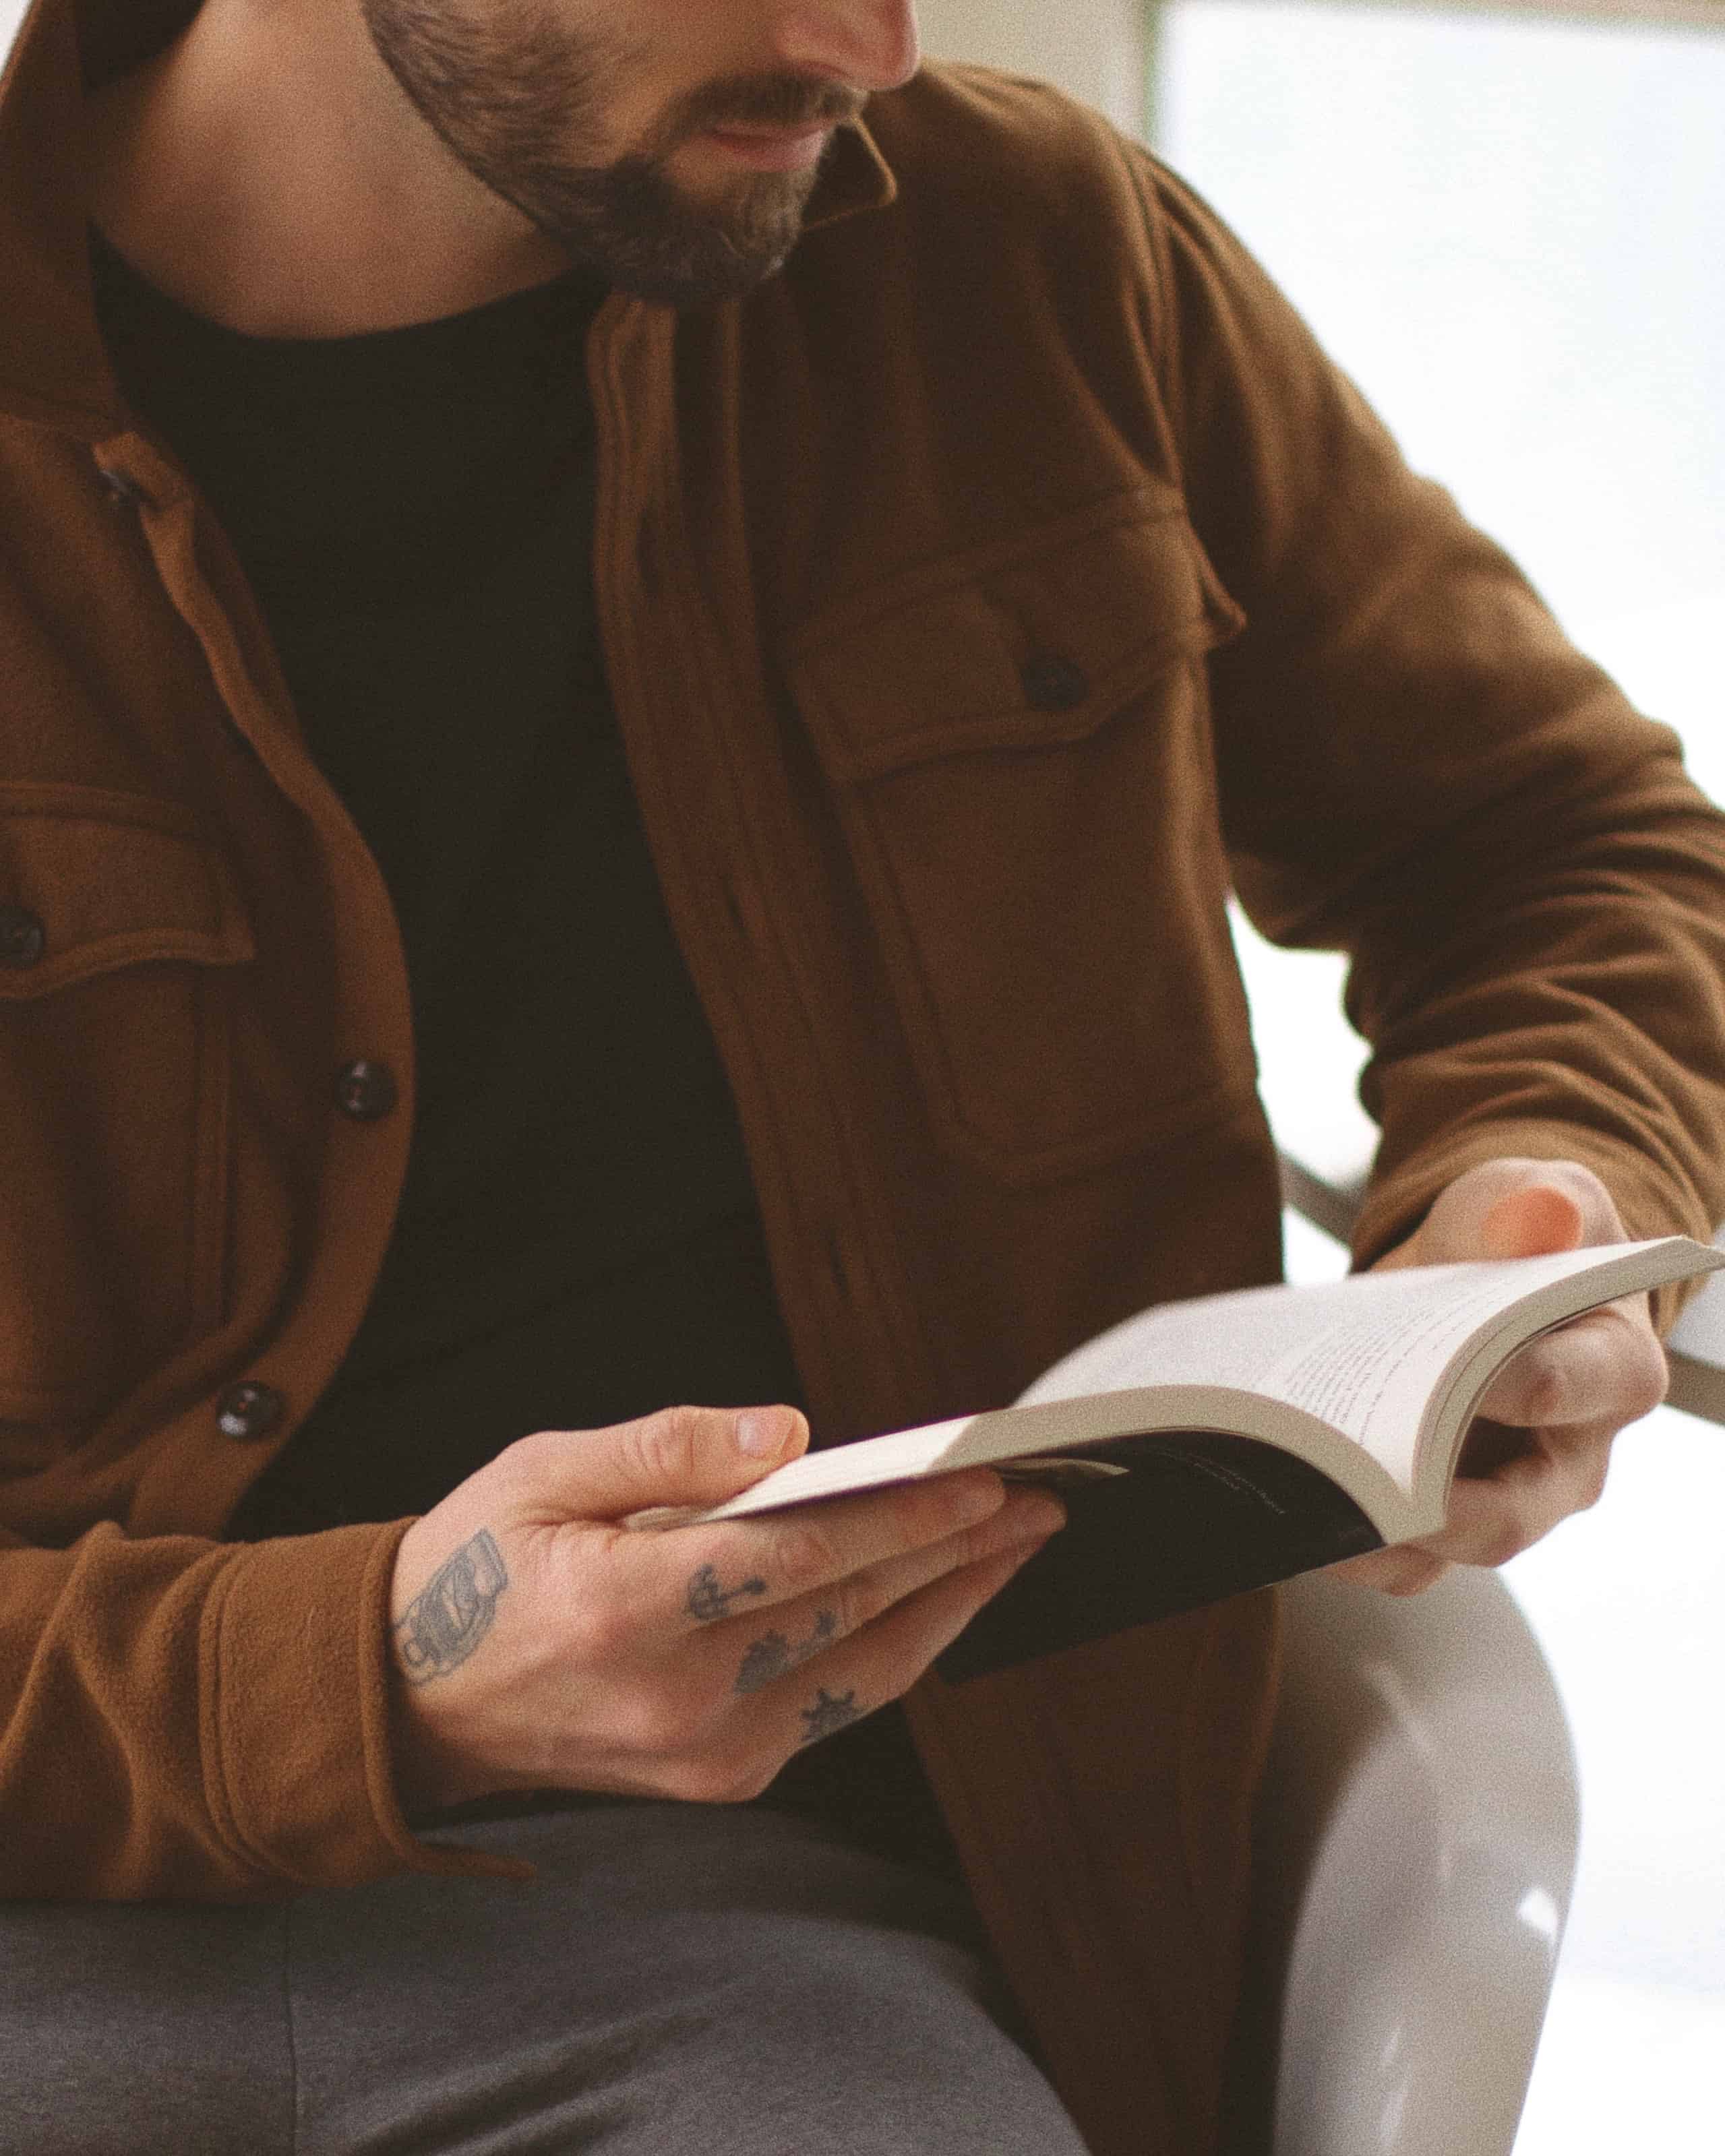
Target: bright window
1508, 230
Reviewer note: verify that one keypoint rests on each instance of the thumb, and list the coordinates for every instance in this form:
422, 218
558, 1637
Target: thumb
1513, 1208
678, 1456
1530, 1223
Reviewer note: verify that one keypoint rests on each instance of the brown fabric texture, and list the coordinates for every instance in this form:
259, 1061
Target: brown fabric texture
982, 599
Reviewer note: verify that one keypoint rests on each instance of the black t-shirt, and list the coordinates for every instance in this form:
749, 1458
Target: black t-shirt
578, 1240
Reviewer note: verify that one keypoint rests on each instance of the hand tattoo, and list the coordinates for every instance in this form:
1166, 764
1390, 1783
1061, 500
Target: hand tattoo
708, 1600
770, 1656
828, 1714
453, 1612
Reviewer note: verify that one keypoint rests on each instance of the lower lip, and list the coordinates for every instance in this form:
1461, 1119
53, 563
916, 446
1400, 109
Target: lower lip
774, 153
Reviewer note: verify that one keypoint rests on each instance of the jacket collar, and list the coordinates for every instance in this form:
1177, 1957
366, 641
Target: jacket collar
54, 367
854, 177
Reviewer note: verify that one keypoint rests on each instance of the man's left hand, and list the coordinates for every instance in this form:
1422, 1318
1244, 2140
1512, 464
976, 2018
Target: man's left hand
1539, 1449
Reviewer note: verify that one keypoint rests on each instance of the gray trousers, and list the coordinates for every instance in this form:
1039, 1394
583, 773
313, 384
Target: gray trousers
680, 1981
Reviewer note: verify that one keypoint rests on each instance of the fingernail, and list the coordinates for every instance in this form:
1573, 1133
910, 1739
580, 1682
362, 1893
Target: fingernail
762, 1432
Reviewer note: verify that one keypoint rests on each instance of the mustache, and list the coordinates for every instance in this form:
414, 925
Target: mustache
764, 100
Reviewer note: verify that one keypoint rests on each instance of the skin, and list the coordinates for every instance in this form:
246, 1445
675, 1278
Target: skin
692, 1663
540, 1644
326, 167
1541, 1448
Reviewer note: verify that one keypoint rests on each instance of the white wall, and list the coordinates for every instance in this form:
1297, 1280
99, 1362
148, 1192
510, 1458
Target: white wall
1095, 49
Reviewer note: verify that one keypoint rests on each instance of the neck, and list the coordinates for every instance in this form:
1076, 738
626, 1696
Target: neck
266, 171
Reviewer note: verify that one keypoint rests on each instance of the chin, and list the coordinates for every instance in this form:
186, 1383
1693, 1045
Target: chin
704, 285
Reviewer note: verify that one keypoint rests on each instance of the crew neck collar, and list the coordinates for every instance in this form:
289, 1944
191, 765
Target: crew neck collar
541, 313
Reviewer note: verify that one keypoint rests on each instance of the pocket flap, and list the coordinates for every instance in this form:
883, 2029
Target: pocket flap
91, 880
1029, 644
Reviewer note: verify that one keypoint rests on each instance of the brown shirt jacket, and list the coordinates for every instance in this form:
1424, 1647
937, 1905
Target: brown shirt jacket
982, 599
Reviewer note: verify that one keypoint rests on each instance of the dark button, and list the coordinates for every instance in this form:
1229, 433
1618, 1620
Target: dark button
123, 491
366, 1091
249, 1410
1052, 682
22, 938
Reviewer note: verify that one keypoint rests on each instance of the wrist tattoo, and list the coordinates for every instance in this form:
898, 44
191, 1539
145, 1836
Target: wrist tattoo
771, 1656
828, 1714
453, 1612
708, 1599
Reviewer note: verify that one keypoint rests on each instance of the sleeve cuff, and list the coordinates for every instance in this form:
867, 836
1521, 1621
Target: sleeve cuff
296, 1722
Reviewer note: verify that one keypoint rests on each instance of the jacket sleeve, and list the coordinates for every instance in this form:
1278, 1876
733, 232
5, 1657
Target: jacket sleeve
216, 1715
1417, 767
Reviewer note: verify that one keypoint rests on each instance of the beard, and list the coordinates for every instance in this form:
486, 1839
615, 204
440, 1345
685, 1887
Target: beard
514, 106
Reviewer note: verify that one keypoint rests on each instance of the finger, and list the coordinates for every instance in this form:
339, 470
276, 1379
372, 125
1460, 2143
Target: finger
1604, 1367
686, 1455
882, 1661
752, 1652
1513, 1209
1493, 1520
1406, 1569
1529, 1222
707, 1575
1560, 1471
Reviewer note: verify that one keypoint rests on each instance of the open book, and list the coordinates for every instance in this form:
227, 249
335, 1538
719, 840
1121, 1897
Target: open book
1209, 1447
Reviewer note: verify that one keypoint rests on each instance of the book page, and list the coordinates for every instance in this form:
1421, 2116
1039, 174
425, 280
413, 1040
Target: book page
1363, 1353
899, 1457
1356, 1361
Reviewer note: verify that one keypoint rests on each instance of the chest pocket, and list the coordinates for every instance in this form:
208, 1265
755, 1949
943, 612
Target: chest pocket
1019, 745
120, 929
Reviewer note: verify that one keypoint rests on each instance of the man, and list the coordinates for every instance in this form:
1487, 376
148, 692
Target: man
714, 663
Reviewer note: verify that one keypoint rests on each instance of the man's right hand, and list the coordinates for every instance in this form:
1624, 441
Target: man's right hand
539, 1643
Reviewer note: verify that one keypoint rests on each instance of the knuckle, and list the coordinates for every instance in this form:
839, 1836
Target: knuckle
650, 1726
664, 1447
803, 1555
597, 1629
929, 1513
855, 1603
673, 1716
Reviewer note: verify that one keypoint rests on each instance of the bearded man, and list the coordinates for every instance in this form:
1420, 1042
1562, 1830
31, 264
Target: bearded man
639, 649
